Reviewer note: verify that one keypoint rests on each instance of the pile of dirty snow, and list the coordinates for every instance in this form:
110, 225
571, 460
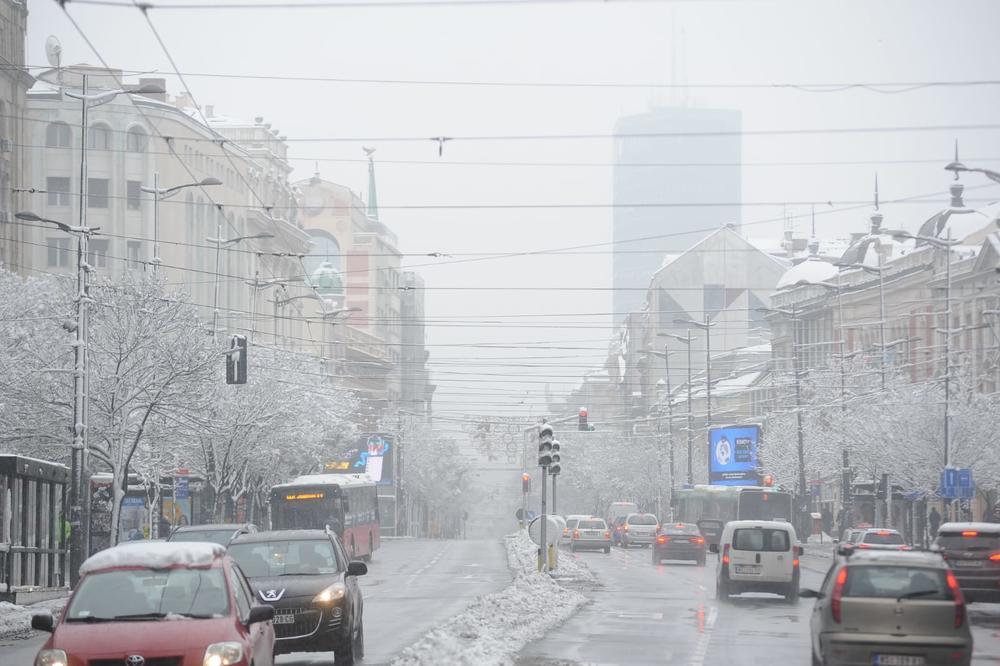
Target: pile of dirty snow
15, 621
494, 627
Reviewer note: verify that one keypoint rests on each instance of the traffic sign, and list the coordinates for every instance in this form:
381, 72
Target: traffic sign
957, 484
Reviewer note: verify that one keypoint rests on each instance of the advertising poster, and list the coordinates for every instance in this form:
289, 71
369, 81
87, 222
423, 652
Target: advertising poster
372, 455
732, 456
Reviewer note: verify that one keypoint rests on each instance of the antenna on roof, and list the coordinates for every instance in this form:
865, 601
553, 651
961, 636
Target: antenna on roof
876, 190
814, 220
956, 158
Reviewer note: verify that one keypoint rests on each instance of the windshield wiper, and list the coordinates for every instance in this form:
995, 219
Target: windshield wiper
141, 616
916, 593
90, 618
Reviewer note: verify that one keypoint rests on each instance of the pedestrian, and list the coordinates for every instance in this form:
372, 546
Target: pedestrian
935, 521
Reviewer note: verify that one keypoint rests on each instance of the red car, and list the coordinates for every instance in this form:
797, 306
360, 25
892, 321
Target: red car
162, 604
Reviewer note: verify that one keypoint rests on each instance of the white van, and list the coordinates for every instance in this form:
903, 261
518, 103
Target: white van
757, 556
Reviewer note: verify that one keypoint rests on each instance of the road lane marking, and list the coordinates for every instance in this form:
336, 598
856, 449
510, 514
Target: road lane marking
704, 637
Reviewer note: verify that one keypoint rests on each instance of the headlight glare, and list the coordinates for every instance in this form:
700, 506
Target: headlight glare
223, 654
333, 593
51, 658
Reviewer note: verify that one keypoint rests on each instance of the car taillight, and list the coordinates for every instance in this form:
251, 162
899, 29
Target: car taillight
576, 534
607, 535
838, 594
863, 545
956, 592
625, 528
994, 557
662, 539
725, 554
970, 533
795, 563
698, 539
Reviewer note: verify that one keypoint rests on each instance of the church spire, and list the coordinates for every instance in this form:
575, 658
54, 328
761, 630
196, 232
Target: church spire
372, 193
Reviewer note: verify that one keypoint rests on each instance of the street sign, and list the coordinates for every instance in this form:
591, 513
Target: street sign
957, 484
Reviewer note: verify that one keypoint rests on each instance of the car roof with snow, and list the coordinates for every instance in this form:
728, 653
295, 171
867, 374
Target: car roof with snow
155, 555
342, 480
989, 528
881, 530
896, 557
209, 527
772, 524
281, 535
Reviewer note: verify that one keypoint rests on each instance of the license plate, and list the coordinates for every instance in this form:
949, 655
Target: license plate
967, 564
284, 618
898, 660
748, 568
676, 540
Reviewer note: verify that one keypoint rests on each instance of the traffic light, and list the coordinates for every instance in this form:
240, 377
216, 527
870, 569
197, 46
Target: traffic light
582, 423
526, 483
545, 445
236, 360
555, 467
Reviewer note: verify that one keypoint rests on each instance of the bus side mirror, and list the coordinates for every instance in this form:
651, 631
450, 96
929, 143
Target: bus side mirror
713, 548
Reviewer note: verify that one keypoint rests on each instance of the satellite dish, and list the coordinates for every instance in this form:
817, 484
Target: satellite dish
53, 51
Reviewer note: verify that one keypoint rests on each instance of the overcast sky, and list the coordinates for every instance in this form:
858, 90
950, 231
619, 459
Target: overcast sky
716, 42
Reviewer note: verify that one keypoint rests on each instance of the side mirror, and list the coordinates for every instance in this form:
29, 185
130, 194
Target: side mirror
261, 614
357, 568
806, 593
836, 541
713, 548
799, 551
42, 622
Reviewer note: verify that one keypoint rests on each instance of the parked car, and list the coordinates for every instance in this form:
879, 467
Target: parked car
162, 603
679, 541
590, 534
889, 607
638, 529
221, 533
757, 556
972, 550
880, 538
308, 578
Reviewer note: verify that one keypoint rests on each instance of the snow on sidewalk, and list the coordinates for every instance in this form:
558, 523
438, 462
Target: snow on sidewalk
494, 627
15, 621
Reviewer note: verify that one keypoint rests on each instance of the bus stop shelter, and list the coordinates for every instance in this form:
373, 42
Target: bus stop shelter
33, 544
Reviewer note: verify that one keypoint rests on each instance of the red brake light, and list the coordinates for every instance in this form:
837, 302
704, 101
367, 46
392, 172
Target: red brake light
956, 592
576, 534
883, 533
698, 539
662, 539
838, 594
970, 533
994, 557
725, 554
607, 535
625, 527
863, 545
795, 563
679, 525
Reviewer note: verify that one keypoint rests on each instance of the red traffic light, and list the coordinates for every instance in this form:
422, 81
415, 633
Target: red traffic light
582, 423
525, 483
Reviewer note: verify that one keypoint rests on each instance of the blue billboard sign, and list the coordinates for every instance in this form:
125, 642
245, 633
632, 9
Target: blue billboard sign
732, 456
373, 455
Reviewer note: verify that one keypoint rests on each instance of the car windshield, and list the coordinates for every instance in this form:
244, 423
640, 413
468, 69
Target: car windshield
149, 594
883, 539
222, 537
755, 538
571, 523
591, 525
895, 581
285, 558
642, 519
971, 540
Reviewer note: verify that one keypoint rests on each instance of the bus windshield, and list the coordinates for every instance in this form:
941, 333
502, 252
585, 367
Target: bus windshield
765, 505
307, 509
695, 505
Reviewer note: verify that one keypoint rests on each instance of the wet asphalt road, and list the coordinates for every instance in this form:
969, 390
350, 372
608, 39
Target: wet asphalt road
667, 614
412, 586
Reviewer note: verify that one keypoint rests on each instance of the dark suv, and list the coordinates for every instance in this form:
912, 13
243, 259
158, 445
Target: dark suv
973, 553
312, 584
220, 533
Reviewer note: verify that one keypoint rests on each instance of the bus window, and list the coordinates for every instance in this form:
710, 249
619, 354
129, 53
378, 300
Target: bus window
308, 513
764, 505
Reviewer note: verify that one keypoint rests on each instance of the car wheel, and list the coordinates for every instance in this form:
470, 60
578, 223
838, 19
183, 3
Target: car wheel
656, 558
816, 661
359, 649
572, 548
721, 588
343, 654
371, 550
792, 594
607, 550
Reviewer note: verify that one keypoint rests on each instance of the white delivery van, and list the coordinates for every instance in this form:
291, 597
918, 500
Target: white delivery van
757, 556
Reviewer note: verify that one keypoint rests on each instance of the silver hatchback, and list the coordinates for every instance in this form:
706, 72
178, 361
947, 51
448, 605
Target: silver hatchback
885, 608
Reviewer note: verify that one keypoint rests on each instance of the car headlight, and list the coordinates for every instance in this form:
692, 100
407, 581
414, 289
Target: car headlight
51, 658
333, 593
223, 654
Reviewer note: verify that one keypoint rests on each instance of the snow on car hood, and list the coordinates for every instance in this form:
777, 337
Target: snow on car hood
159, 555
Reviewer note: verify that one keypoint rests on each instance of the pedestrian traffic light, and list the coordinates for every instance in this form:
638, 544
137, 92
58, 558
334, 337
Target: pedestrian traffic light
525, 483
236, 360
582, 423
555, 468
545, 445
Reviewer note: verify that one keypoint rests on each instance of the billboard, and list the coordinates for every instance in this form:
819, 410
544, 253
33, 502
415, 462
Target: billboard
732, 456
373, 455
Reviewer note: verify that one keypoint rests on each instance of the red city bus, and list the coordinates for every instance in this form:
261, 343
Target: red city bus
346, 503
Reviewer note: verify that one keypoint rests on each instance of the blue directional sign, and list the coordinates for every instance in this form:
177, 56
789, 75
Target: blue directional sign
957, 484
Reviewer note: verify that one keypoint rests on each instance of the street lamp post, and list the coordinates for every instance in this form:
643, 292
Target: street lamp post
690, 416
77, 545
160, 193
219, 241
705, 326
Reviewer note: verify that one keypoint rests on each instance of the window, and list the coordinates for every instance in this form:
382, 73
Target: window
134, 254
136, 140
242, 602
58, 252
97, 252
895, 581
58, 135
99, 137
58, 190
97, 193
133, 194
775, 541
